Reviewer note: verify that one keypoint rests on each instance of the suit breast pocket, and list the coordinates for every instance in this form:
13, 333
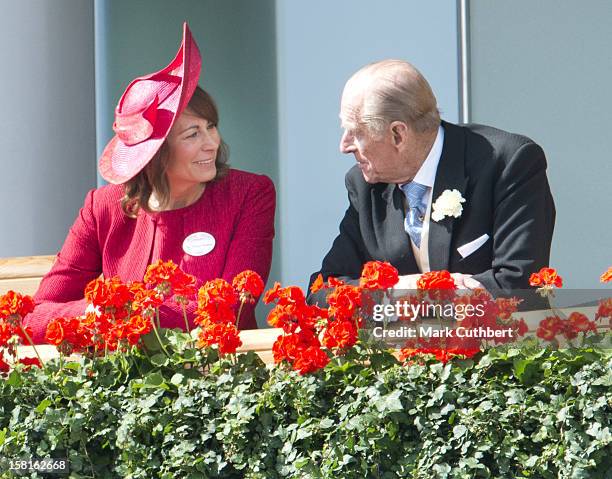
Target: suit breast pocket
476, 256
470, 248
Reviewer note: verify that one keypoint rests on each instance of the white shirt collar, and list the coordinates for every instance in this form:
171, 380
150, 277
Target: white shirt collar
427, 172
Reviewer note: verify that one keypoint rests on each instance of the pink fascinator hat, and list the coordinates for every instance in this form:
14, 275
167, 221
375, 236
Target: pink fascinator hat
146, 112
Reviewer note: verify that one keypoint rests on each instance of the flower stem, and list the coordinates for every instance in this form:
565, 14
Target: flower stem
157, 333
27, 336
187, 328
239, 313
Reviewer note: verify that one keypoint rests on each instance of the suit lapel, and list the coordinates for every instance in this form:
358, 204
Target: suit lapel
450, 175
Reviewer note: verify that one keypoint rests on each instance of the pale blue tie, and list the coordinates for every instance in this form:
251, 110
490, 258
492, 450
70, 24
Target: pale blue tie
413, 223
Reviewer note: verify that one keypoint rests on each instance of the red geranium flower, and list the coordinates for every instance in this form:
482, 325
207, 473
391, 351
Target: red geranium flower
249, 285
183, 285
167, 278
110, 295
224, 335
436, 280
604, 310
13, 303
6, 333
438, 285
160, 274
549, 328
521, 327
215, 313
318, 284
340, 334
578, 322
344, 301
334, 282
29, 362
441, 354
216, 291
288, 347
138, 326
4, 366
310, 359
378, 275
289, 294
144, 301
284, 316
546, 277
67, 335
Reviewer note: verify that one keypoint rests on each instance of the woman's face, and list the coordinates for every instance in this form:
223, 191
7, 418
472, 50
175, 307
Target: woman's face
193, 143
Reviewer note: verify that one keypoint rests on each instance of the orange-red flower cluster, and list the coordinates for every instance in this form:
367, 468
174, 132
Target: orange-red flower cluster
4, 366
546, 278
224, 335
340, 334
607, 276
378, 275
168, 279
216, 316
496, 314
318, 284
604, 310
120, 314
249, 286
344, 302
15, 304
554, 326
308, 328
441, 354
29, 362
302, 350
13, 308
438, 285
300, 344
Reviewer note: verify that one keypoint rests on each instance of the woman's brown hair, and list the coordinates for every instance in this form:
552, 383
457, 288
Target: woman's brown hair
152, 178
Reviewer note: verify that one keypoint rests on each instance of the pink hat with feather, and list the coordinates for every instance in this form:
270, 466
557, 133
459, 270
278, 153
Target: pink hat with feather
146, 112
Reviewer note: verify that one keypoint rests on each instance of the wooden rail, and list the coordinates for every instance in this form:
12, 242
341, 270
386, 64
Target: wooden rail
23, 274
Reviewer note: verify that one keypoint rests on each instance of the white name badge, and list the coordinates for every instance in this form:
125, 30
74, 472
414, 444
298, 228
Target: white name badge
199, 244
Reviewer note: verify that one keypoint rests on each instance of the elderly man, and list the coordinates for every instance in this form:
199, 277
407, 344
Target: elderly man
429, 195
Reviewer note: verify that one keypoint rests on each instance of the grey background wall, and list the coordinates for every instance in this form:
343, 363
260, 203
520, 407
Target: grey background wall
47, 128
544, 69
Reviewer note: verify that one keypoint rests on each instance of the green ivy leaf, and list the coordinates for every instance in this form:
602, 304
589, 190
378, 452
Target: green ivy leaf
44, 404
390, 402
14, 379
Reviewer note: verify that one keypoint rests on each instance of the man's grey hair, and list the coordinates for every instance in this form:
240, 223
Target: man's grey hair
394, 90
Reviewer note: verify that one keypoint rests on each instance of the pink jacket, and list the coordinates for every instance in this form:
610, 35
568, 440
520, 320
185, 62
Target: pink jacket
238, 211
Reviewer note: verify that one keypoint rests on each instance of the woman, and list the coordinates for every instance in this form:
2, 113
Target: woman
173, 197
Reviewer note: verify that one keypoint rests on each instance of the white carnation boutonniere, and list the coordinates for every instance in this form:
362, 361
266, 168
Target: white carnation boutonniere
447, 204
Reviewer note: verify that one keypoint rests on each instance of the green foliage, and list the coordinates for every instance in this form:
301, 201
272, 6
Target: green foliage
512, 413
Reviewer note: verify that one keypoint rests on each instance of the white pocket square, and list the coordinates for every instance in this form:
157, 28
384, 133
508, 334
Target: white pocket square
468, 248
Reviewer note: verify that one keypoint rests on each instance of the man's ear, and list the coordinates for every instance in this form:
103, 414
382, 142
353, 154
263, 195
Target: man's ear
399, 132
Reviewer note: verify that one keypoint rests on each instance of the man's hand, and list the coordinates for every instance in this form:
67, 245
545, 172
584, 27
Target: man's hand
465, 281
408, 281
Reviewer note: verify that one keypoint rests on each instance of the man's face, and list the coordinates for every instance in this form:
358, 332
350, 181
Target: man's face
376, 154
